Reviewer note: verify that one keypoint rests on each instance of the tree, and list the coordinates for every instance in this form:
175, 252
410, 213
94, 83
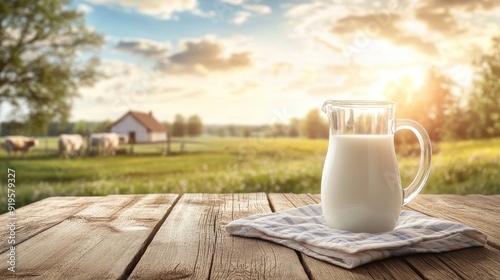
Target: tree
194, 126
483, 112
87, 127
294, 128
81, 127
222, 132
179, 126
12, 128
430, 105
232, 131
247, 132
40, 66
437, 102
167, 125
314, 126
278, 130
104, 126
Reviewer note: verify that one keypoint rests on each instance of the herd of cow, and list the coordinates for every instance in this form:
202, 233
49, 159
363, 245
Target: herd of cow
69, 144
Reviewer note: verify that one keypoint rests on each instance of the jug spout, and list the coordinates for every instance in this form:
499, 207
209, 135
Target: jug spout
327, 107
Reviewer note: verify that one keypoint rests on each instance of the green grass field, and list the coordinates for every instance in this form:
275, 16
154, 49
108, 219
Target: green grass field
230, 165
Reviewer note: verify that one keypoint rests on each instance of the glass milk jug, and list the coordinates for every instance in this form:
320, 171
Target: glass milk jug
361, 186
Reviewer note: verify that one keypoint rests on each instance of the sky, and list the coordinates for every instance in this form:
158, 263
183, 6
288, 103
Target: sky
262, 61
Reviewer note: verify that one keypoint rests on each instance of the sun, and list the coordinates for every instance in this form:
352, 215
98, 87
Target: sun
413, 77
417, 75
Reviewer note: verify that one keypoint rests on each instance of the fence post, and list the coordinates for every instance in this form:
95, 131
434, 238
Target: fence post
167, 145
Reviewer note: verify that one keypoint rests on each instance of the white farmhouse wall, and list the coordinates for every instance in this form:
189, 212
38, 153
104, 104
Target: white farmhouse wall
158, 136
129, 124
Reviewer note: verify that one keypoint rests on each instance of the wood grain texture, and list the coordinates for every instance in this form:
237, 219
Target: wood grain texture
477, 211
161, 237
386, 269
100, 242
184, 245
192, 243
266, 260
41, 215
470, 263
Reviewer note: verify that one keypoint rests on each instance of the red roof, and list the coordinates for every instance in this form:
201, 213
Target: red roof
145, 119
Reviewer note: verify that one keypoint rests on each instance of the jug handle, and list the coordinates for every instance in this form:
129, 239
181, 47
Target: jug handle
424, 168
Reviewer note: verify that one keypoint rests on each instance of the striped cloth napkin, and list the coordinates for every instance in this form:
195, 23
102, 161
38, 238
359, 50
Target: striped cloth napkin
304, 229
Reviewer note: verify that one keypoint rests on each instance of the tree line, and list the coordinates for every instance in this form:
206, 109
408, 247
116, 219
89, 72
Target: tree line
179, 128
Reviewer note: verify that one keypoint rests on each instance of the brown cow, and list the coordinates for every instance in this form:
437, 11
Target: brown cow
19, 143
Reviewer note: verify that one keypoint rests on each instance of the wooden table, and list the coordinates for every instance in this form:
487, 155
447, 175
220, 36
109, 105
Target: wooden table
167, 236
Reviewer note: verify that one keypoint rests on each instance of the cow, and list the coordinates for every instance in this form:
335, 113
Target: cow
19, 143
70, 144
103, 143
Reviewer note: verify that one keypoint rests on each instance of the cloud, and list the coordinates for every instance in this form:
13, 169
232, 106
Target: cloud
204, 55
234, 2
466, 5
349, 79
440, 20
439, 14
261, 9
241, 17
281, 68
84, 8
318, 16
244, 88
383, 25
160, 9
143, 47
247, 10
416, 43
121, 78
354, 29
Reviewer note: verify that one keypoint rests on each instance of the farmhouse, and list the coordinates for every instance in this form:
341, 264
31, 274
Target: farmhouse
140, 127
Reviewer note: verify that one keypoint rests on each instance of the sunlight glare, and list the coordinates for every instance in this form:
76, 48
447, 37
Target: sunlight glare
416, 75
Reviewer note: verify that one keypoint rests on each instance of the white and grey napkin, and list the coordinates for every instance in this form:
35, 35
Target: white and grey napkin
304, 229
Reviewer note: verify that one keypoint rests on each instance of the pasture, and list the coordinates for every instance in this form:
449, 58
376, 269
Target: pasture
221, 165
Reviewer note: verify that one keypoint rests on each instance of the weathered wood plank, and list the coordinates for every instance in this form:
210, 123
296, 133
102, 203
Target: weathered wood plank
490, 200
103, 241
184, 244
480, 212
386, 269
39, 216
192, 243
470, 263
477, 211
234, 260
